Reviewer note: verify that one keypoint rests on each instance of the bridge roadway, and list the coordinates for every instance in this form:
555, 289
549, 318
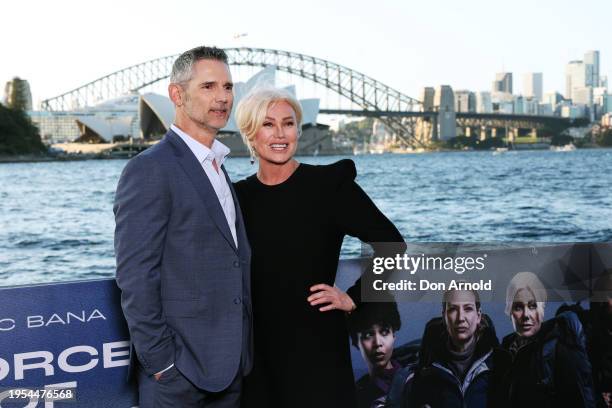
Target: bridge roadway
544, 120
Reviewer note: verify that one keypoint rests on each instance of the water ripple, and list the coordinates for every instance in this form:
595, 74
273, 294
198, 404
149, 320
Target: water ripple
56, 220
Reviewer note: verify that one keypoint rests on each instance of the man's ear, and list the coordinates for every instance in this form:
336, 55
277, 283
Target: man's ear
175, 92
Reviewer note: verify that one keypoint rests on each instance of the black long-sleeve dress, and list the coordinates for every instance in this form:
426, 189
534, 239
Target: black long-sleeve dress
296, 229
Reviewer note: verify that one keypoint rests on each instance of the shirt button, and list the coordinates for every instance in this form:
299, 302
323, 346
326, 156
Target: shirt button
236, 264
237, 301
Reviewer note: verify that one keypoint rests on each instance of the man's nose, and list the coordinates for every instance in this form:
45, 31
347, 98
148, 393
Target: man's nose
222, 96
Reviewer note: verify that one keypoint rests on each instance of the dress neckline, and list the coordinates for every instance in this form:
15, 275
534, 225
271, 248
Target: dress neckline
271, 186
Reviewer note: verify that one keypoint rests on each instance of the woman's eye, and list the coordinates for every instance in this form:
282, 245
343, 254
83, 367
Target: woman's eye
267, 124
289, 124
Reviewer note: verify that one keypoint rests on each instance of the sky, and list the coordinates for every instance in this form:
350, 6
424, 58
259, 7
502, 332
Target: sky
62, 44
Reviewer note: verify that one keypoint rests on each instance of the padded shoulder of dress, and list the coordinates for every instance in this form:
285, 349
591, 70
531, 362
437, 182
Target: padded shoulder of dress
339, 172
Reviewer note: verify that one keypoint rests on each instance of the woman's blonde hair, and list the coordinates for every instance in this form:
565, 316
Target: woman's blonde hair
526, 281
251, 112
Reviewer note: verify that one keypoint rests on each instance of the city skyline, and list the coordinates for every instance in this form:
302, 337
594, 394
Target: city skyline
405, 46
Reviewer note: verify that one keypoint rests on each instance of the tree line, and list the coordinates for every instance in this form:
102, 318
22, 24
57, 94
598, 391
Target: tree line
18, 135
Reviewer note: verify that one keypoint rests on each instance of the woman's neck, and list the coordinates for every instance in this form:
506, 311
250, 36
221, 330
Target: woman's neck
461, 347
272, 174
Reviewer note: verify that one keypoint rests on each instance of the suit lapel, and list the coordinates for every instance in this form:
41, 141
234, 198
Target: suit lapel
241, 237
200, 181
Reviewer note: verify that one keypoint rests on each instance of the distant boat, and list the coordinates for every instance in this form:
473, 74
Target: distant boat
567, 148
359, 149
500, 150
402, 149
377, 148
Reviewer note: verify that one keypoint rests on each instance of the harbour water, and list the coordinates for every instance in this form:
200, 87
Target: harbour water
56, 220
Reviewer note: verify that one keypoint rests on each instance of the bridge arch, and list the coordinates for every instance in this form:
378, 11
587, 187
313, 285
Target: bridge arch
362, 90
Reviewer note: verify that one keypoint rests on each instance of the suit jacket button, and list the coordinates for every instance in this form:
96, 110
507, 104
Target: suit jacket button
236, 264
237, 301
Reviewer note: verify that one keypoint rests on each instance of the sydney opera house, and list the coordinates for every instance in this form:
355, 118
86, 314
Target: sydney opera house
147, 117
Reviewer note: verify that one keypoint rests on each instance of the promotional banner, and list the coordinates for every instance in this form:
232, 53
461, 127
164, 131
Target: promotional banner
64, 345
67, 344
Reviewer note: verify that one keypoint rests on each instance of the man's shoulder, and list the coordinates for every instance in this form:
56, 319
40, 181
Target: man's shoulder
157, 154
154, 163
160, 149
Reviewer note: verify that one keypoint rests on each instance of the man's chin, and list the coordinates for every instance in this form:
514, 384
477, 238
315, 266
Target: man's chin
218, 126
213, 125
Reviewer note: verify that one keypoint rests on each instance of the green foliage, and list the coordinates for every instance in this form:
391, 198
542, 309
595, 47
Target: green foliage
357, 131
604, 139
18, 135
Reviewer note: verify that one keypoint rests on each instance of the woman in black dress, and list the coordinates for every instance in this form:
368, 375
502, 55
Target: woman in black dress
296, 216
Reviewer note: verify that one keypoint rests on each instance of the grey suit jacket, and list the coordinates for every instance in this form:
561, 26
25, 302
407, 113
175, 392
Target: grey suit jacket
185, 287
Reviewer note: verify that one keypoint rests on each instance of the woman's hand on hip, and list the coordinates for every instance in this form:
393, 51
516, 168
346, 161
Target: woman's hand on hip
333, 297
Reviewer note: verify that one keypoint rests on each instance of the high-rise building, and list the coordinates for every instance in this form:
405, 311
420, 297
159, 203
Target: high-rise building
532, 85
573, 111
583, 96
575, 77
518, 105
17, 94
531, 106
483, 102
444, 103
591, 60
505, 107
553, 99
600, 101
427, 97
545, 109
503, 82
465, 101
580, 75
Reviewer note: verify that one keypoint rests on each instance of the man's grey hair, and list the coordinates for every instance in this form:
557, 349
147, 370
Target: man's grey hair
182, 70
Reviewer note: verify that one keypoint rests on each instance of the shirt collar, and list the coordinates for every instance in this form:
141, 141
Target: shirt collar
217, 151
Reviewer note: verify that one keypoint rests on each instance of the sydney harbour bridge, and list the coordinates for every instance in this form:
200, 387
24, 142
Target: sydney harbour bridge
405, 116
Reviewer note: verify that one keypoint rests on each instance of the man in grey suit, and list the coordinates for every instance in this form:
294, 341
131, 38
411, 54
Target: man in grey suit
183, 260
